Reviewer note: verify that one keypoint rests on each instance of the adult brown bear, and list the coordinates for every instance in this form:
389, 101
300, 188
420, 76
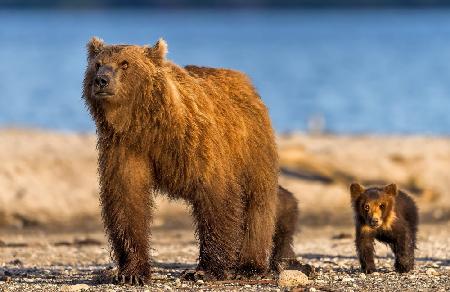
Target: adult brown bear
195, 133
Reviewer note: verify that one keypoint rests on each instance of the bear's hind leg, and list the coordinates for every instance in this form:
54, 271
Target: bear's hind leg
260, 222
219, 220
287, 217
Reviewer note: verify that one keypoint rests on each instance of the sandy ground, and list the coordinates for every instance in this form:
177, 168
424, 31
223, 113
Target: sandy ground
49, 192
38, 261
50, 179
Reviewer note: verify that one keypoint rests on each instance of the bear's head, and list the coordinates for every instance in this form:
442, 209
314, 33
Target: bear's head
119, 77
374, 206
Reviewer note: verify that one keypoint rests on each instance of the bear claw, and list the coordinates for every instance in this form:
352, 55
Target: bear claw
133, 280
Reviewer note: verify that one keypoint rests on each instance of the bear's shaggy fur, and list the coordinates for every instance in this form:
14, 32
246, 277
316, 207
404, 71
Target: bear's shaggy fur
195, 133
388, 215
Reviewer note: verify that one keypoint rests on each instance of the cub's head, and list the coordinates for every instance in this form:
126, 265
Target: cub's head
117, 73
374, 207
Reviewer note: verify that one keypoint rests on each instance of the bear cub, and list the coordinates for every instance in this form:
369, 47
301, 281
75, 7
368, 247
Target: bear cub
387, 215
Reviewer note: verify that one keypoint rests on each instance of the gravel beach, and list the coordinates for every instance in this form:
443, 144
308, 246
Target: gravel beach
76, 261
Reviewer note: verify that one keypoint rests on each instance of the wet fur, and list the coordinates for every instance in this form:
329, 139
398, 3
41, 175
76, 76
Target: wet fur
194, 133
398, 228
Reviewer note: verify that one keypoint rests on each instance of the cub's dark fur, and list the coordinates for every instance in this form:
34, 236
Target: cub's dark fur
388, 215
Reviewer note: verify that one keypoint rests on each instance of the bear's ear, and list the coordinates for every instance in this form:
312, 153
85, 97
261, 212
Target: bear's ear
391, 189
159, 51
356, 190
94, 46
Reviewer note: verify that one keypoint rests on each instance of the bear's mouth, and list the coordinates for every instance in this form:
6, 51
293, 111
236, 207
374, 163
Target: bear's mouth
103, 94
374, 225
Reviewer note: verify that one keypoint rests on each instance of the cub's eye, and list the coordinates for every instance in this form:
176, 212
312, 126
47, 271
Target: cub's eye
366, 207
124, 65
97, 65
382, 206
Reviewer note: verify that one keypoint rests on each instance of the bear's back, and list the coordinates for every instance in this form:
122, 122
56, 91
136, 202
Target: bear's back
236, 84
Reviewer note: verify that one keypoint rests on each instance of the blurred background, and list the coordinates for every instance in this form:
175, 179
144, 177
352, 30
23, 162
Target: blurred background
357, 91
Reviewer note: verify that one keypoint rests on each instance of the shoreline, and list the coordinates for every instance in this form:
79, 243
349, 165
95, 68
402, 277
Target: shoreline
48, 179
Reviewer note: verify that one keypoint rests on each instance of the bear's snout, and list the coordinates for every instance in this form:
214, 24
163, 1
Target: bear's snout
102, 81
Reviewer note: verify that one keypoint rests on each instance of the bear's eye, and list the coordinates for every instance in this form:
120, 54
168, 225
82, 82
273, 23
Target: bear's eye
97, 65
124, 65
366, 207
382, 206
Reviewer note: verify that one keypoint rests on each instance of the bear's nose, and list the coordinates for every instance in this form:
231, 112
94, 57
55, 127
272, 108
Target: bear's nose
374, 221
102, 81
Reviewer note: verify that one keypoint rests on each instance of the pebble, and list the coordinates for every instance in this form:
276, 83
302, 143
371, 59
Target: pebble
347, 279
432, 272
362, 276
200, 282
292, 278
77, 287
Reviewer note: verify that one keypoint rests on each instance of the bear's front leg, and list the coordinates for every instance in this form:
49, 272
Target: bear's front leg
403, 248
364, 247
126, 211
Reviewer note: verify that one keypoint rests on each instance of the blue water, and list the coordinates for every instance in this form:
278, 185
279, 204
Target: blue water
361, 71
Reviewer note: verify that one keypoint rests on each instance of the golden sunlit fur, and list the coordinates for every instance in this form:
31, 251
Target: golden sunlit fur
195, 133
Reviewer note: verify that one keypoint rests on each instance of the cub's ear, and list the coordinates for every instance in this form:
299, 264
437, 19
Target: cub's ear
159, 51
94, 46
356, 190
391, 189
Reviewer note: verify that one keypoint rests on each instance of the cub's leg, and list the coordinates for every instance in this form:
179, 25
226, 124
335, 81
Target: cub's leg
364, 247
260, 212
403, 248
219, 220
126, 211
287, 218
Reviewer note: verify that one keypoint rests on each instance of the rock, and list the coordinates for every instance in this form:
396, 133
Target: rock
362, 276
347, 279
292, 278
431, 272
77, 287
200, 282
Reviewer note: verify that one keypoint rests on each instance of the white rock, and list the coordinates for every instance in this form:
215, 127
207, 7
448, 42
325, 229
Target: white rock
362, 276
347, 279
200, 282
77, 287
431, 272
292, 278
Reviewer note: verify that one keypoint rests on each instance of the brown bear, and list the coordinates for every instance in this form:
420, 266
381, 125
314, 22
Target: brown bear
388, 215
194, 133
